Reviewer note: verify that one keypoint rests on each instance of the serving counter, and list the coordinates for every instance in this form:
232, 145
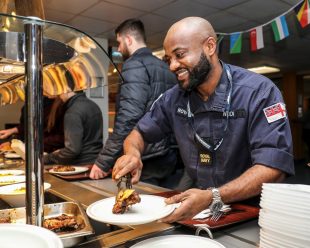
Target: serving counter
242, 235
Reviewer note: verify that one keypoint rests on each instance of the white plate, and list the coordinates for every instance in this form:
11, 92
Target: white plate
180, 241
16, 199
22, 235
287, 187
11, 173
150, 208
6, 180
78, 170
12, 155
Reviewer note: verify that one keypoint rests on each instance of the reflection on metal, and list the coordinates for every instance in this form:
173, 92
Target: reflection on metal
34, 124
12, 92
82, 44
77, 74
11, 49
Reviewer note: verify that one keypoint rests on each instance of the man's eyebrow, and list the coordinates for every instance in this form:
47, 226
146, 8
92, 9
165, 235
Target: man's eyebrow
176, 49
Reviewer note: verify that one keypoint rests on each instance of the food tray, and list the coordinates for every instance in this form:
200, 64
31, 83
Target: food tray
69, 239
239, 213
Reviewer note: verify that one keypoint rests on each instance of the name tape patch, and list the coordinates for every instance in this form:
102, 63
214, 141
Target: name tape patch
275, 112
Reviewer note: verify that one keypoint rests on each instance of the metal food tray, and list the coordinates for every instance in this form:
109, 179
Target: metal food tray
69, 239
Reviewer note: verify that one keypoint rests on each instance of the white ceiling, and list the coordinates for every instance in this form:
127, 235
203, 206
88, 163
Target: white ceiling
99, 18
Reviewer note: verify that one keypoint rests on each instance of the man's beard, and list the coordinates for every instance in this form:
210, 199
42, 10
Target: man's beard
125, 53
199, 73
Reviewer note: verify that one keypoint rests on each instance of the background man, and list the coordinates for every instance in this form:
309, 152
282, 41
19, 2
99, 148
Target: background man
145, 79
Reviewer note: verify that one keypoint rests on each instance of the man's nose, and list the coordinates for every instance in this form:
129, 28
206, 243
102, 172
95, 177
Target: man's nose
174, 65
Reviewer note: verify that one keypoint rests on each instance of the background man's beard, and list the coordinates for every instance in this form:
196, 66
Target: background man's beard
125, 53
199, 73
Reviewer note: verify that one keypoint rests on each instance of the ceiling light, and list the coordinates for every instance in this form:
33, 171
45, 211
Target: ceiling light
264, 69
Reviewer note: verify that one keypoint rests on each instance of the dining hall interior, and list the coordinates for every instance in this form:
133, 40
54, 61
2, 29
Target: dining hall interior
284, 60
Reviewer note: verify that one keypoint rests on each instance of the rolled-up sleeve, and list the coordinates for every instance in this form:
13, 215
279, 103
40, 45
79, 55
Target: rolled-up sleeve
271, 143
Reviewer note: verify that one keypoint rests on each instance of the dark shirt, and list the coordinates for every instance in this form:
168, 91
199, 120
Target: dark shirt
250, 139
83, 129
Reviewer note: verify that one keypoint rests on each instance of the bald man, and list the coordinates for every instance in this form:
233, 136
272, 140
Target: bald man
230, 125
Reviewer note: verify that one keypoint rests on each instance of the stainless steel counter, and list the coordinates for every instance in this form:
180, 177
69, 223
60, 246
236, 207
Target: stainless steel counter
243, 235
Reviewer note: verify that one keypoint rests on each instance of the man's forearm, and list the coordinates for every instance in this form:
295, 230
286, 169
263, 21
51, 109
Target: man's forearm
134, 144
249, 184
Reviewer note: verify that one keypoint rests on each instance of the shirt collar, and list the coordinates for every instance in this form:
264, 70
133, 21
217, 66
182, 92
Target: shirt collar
216, 101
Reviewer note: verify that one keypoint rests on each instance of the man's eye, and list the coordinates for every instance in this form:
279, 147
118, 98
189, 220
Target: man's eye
179, 55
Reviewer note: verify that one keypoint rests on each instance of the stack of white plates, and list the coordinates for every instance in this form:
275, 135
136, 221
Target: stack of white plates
284, 217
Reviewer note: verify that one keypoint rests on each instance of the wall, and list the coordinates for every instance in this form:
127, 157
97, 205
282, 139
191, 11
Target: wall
10, 114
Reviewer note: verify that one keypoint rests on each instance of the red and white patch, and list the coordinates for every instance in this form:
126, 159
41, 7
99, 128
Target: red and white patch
275, 112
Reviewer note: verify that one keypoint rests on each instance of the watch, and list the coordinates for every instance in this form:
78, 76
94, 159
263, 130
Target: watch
217, 203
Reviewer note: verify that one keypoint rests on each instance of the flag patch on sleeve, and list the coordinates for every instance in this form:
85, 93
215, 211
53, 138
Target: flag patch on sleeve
275, 112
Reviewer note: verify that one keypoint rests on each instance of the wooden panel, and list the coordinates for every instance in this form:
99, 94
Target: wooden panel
30, 8
291, 89
4, 6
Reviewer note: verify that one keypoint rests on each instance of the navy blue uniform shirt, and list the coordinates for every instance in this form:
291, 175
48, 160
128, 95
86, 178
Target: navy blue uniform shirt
258, 130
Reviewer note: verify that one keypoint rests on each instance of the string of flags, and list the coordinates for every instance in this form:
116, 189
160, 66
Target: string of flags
278, 25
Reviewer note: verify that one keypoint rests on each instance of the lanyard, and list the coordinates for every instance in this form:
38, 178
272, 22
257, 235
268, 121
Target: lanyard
190, 116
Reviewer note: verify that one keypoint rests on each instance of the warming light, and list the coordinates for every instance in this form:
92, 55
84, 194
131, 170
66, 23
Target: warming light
264, 69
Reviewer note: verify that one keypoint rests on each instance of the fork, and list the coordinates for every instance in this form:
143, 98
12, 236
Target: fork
215, 217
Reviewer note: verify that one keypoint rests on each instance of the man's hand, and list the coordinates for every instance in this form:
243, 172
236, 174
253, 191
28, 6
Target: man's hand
7, 132
97, 173
193, 201
126, 164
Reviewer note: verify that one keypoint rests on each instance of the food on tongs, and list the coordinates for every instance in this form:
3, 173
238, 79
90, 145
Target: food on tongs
126, 196
124, 199
63, 168
62, 223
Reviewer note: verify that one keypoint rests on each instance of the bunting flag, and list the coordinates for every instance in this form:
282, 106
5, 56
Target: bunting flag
235, 43
279, 27
256, 38
303, 13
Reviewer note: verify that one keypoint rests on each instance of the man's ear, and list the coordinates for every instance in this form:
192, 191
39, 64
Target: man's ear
209, 46
129, 40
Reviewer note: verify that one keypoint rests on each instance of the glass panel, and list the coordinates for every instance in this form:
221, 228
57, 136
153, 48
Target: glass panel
72, 60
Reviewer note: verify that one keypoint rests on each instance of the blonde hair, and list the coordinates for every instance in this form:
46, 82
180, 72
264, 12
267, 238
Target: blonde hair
53, 113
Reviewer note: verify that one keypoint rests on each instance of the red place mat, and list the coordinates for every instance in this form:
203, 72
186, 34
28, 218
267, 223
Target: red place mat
80, 176
239, 213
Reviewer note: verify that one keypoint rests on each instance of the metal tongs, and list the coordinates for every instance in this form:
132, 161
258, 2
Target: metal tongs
124, 182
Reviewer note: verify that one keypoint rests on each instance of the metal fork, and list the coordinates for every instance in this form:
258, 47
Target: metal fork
215, 217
